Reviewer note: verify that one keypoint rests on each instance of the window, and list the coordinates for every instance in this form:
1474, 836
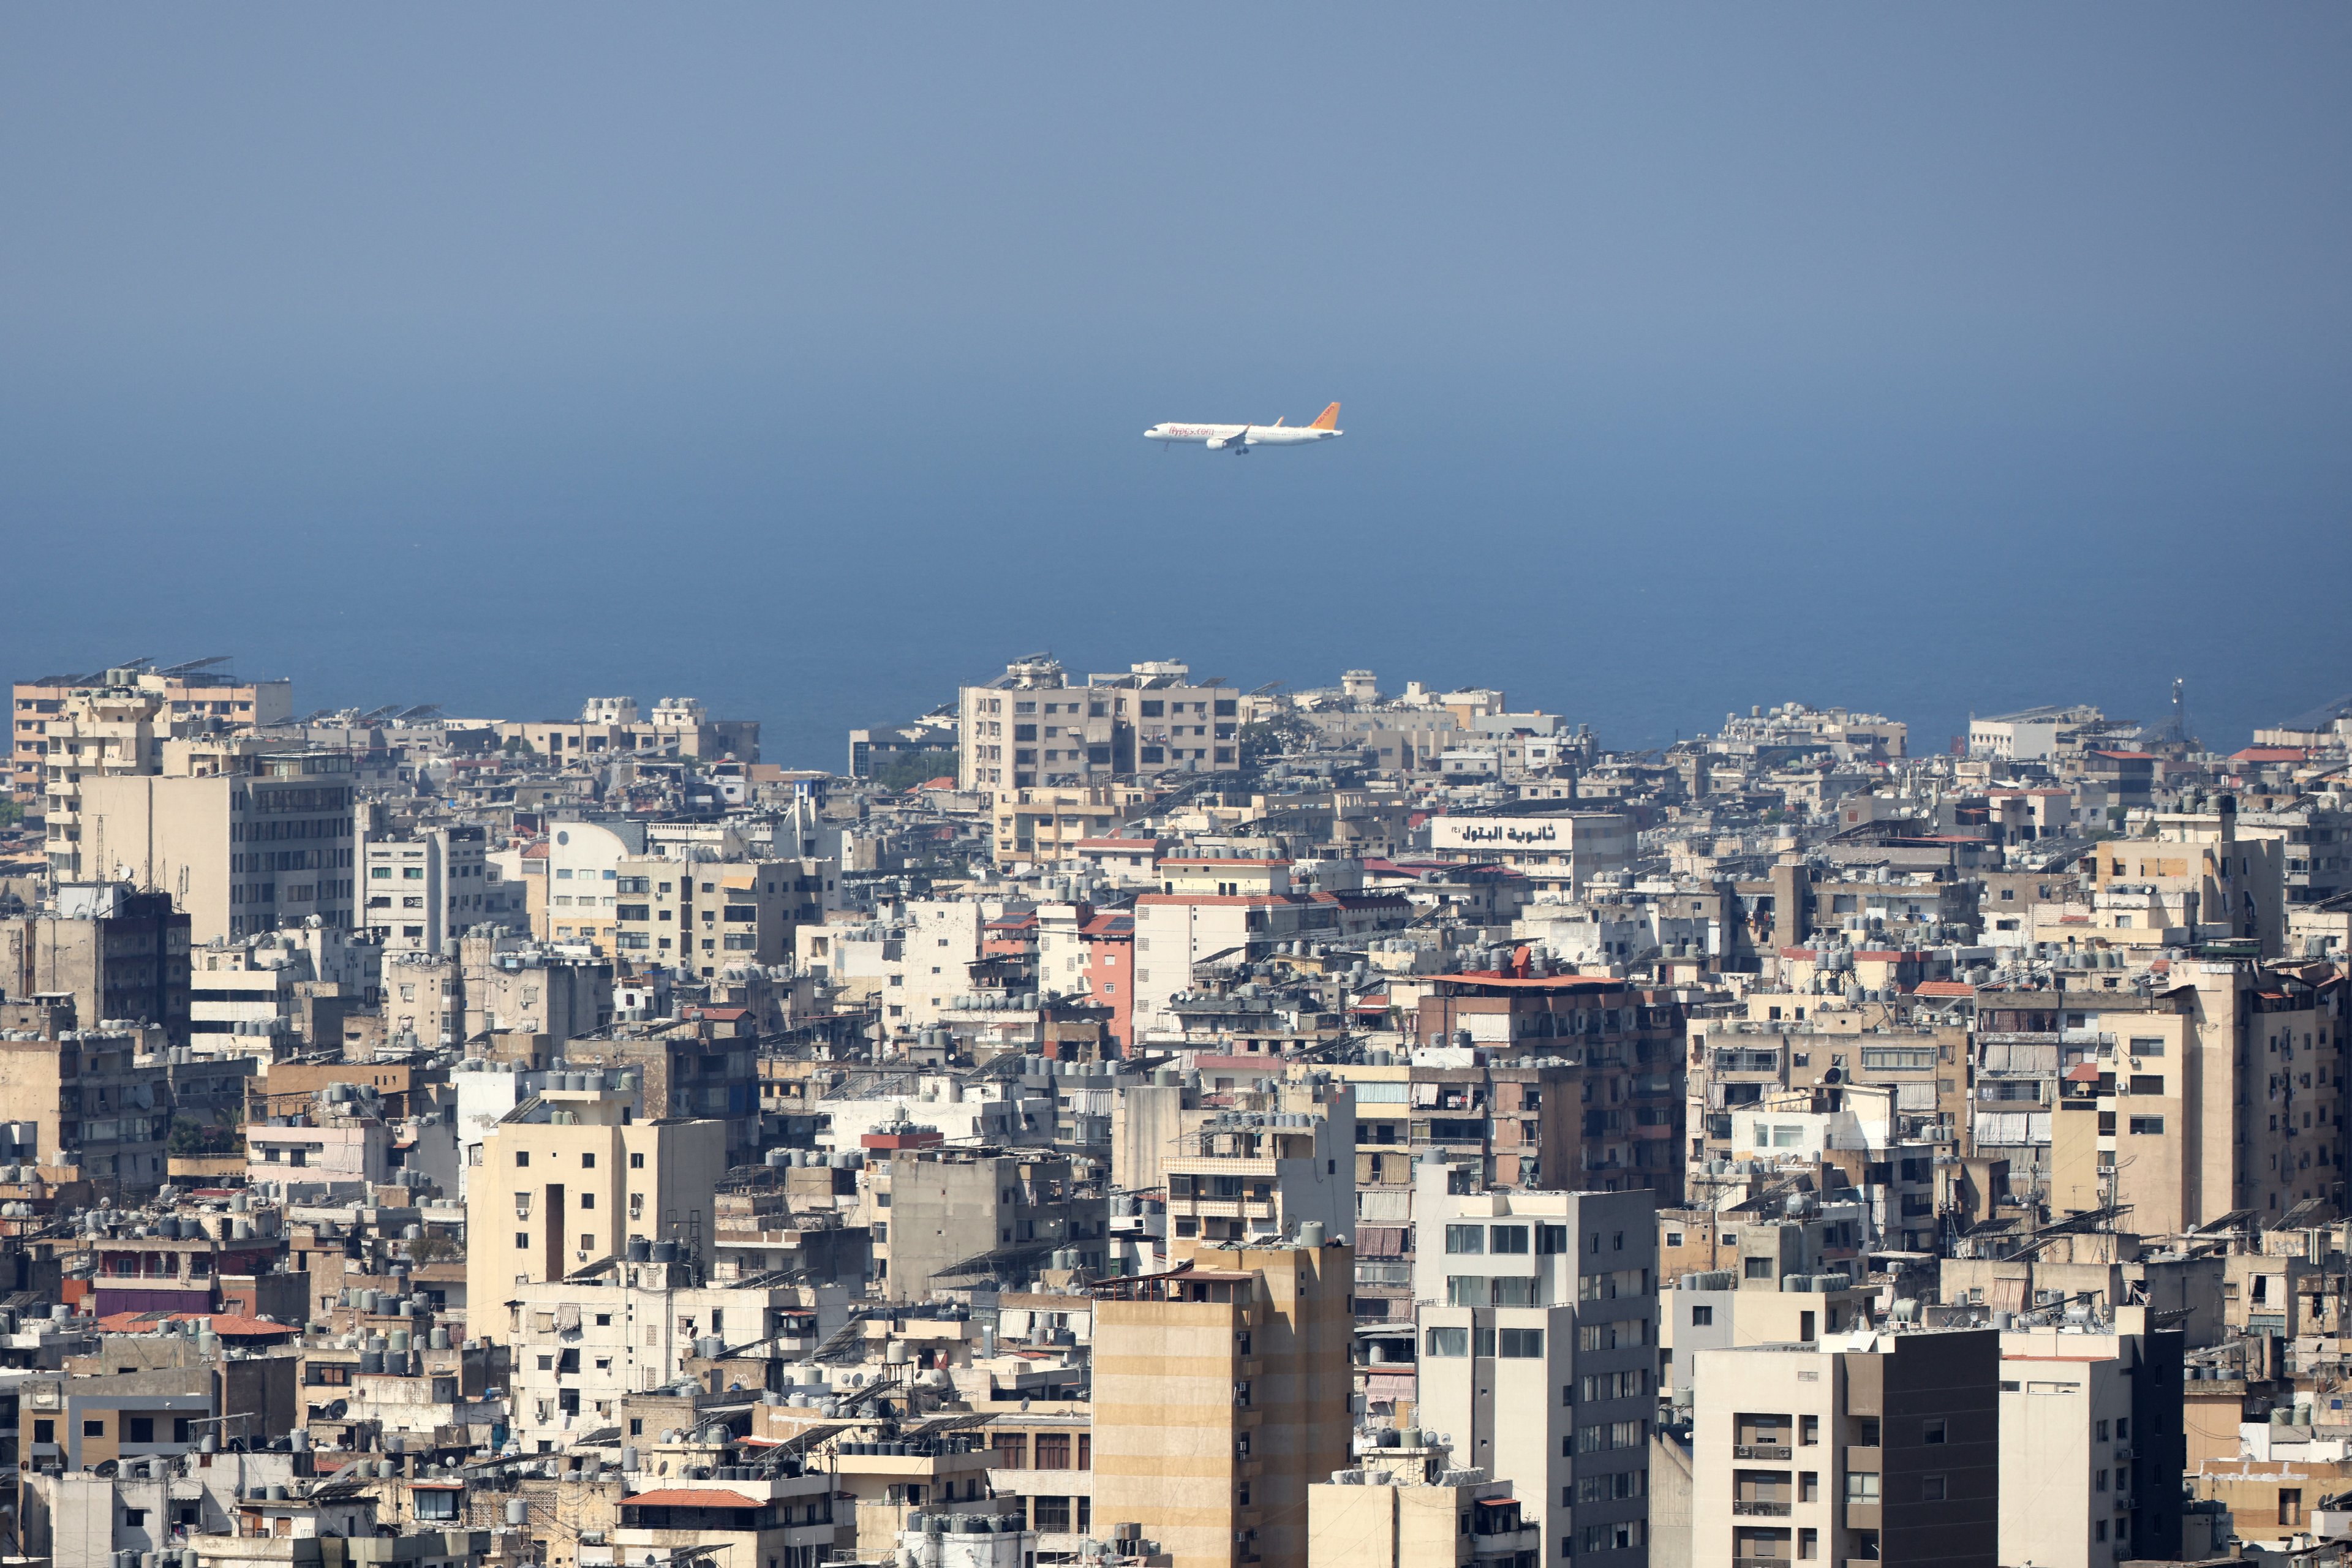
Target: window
636, 1162
2148, 1126
1931, 1489
1052, 1515
1509, 1239
141, 1429
522, 1241
44, 1431
95, 1427
1465, 1238
1466, 1290
436, 1502
1865, 1432
522, 1157
1448, 1341
1521, 1345
134, 1517
1053, 1450
1551, 1239
1702, 1317
1933, 1430
1862, 1485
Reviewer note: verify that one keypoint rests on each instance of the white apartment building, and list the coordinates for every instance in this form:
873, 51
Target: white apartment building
1536, 1313
418, 892
582, 1343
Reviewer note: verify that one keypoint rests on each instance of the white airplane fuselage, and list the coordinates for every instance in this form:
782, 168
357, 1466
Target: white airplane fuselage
1238, 438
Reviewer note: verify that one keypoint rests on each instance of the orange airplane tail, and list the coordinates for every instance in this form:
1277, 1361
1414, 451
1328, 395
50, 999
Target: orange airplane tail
1327, 420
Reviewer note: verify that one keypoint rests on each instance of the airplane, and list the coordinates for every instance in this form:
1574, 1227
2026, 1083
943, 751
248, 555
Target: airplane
1239, 438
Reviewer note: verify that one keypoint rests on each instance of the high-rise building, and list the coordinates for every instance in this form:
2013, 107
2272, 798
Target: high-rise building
2091, 1447
1220, 1395
1865, 1448
2220, 1092
1538, 1351
239, 851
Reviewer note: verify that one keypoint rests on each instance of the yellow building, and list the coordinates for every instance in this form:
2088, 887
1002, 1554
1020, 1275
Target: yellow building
1221, 1393
570, 1177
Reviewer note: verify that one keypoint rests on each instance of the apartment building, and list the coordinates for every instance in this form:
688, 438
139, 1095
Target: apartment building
239, 852
1240, 1176
1870, 1446
579, 892
1626, 1044
569, 1178
115, 952
1399, 1507
184, 699
1220, 1392
2198, 874
2092, 1449
702, 915
1031, 727
2223, 1091
1719, 1309
630, 1325
1538, 1352
611, 726
420, 890
1501, 1125
99, 1097
949, 1216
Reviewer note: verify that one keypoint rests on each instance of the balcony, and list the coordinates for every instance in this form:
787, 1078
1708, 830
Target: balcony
1759, 1450
1761, 1507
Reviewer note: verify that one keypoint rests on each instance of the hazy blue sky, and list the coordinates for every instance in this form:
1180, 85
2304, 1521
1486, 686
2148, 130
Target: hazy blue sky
1919, 359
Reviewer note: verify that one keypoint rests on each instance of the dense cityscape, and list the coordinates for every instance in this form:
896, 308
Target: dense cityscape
1127, 1117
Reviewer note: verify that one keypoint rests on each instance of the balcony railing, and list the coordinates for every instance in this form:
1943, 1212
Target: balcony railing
1762, 1507
1759, 1450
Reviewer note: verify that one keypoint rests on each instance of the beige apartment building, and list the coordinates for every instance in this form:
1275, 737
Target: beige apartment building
1043, 824
1866, 1447
2219, 1093
1402, 1506
268, 843
2205, 878
1220, 1396
1031, 728
703, 916
187, 696
569, 1178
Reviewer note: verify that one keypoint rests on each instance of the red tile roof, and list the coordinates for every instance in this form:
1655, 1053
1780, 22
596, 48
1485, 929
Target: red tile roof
689, 1496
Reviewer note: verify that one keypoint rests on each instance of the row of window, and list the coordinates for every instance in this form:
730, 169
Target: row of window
1518, 1344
